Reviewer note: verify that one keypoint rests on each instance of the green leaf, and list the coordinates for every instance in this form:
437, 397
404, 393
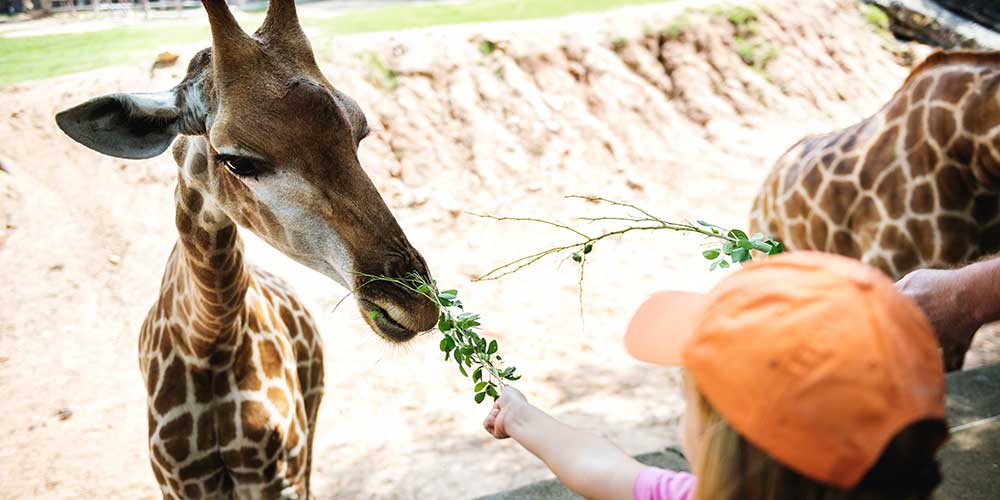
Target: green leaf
745, 244
703, 223
514, 377
777, 248
740, 255
480, 397
757, 237
763, 246
711, 254
736, 233
723, 264
492, 391
462, 369
480, 386
467, 316
374, 314
467, 320
493, 347
727, 248
423, 288
577, 257
446, 344
715, 265
588, 248
445, 323
448, 294
477, 375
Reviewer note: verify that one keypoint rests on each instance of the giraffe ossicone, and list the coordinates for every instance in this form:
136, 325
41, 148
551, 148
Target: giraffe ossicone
915, 185
232, 361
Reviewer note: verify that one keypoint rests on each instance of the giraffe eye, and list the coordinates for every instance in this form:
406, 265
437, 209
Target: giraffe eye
240, 165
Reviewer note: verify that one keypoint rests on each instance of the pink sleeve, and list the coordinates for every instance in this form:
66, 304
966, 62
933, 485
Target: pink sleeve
660, 484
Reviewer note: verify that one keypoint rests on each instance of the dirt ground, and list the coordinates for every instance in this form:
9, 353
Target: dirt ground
592, 104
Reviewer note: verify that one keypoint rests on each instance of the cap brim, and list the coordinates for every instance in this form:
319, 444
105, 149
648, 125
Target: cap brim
661, 327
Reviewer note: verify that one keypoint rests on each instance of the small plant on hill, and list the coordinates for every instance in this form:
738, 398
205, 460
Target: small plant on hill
744, 19
487, 47
875, 17
379, 72
756, 53
754, 50
676, 27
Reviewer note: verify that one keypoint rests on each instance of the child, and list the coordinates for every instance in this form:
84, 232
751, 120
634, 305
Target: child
807, 377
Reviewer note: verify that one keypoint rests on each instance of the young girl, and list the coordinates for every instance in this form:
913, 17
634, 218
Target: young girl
807, 377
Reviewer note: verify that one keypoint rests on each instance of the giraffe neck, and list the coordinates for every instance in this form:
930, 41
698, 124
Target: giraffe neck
210, 278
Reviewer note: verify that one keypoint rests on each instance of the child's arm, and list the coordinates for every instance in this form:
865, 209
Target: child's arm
589, 465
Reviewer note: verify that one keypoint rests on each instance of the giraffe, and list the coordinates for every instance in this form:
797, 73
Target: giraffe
913, 186
231, 360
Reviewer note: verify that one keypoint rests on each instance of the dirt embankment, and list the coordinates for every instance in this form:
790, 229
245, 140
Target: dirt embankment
679, 111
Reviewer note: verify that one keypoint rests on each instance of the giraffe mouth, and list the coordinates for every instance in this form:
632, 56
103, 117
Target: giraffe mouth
383, 324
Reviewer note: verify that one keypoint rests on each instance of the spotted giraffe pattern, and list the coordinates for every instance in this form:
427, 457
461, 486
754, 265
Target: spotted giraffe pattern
913, 186
233, 367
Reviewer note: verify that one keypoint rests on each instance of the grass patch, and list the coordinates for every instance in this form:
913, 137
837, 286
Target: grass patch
45, 56
398, 17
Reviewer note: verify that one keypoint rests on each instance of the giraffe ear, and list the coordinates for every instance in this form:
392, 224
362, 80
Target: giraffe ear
132, 126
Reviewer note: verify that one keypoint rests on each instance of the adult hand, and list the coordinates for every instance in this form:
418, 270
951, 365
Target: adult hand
510, 402
948, 299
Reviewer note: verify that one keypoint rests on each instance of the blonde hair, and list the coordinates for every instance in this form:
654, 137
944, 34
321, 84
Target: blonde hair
728, 467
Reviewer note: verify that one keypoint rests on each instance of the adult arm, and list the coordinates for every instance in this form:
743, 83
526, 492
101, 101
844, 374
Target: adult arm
956, 301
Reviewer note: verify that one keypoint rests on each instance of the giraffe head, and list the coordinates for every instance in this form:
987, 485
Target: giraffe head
277, 153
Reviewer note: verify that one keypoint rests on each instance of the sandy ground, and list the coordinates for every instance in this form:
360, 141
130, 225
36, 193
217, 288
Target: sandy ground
596, 104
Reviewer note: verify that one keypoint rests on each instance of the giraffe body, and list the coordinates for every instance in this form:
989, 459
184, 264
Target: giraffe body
913, 186
223, 443
231, 360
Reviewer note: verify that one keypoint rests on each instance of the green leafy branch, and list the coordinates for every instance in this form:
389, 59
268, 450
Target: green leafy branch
733, 244
461, 340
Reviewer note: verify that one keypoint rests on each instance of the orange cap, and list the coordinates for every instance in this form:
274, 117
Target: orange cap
815, 359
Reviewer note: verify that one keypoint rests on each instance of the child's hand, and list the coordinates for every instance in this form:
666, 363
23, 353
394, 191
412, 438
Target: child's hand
500, 415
